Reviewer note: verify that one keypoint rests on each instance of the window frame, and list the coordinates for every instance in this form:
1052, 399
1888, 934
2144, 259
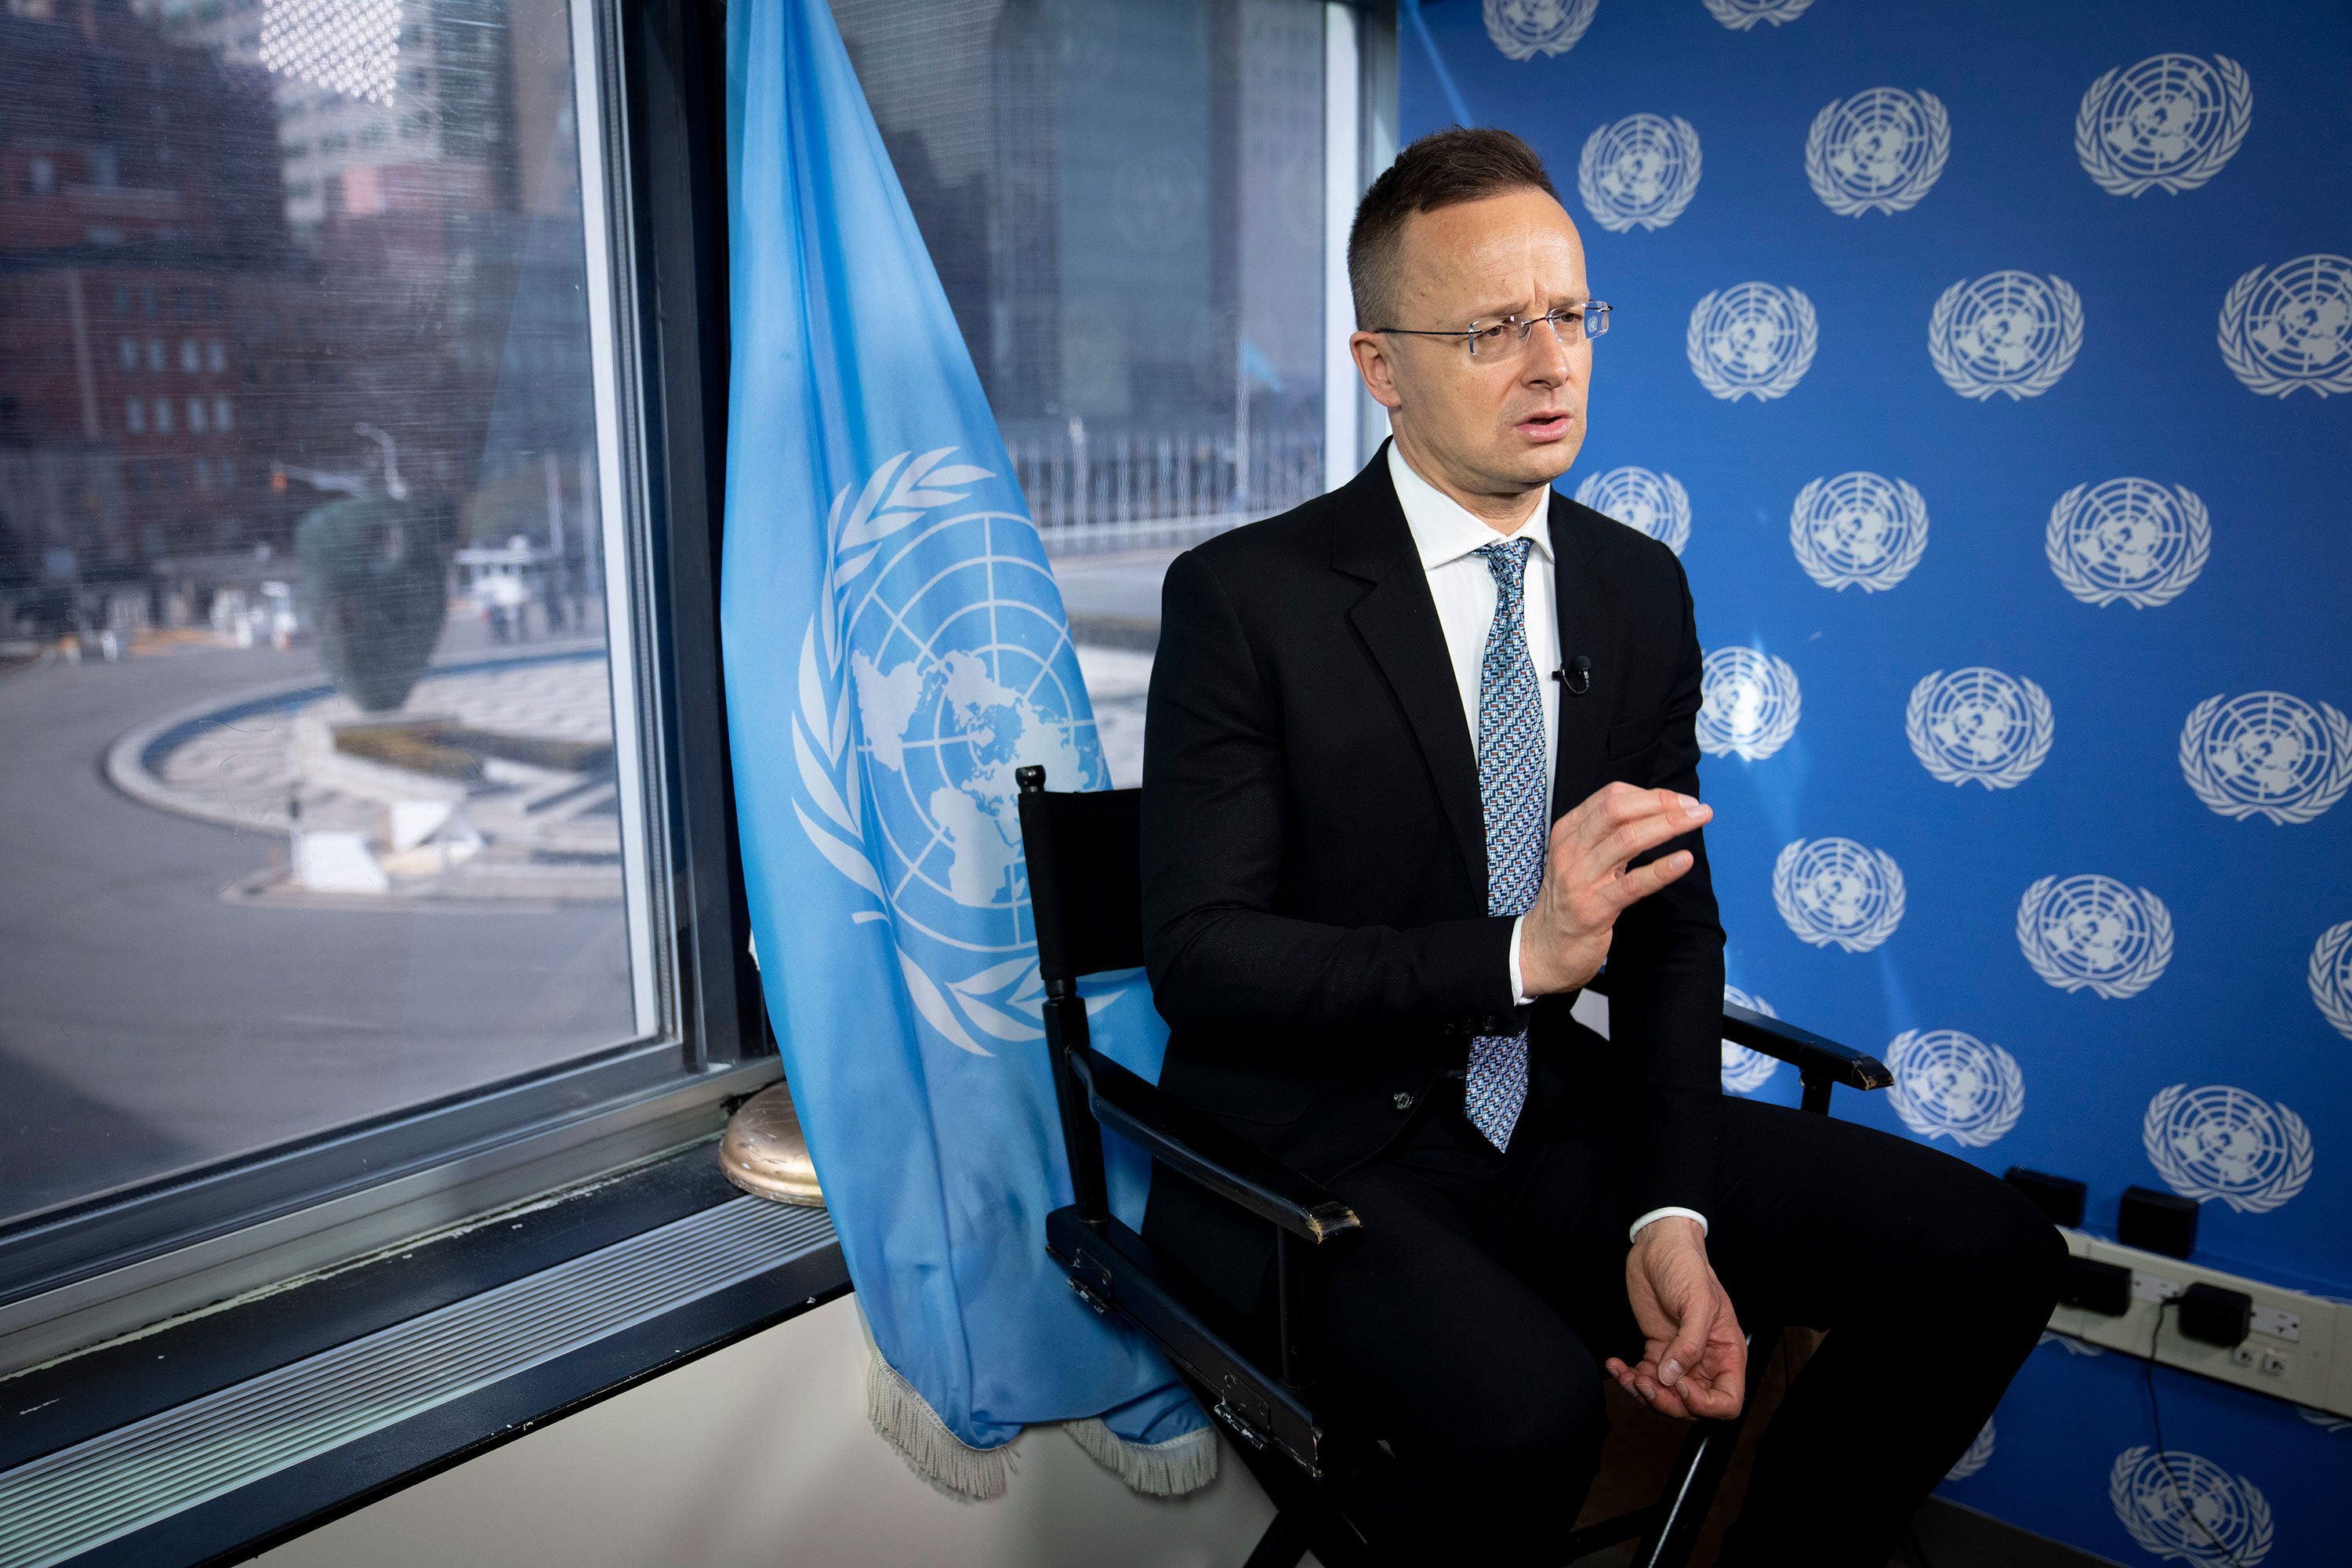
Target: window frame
648, 76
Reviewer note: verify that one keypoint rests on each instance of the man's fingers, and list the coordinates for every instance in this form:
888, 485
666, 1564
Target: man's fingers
1634, 886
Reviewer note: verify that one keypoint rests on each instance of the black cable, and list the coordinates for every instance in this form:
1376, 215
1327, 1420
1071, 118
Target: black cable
2155, 1419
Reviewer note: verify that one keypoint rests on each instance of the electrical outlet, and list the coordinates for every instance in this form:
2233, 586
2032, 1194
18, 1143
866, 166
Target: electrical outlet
2292, 1353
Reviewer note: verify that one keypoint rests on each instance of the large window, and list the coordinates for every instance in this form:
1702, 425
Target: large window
331, 793
1125, 200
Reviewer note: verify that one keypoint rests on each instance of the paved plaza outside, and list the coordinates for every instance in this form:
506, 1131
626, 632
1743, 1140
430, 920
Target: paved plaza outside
155, 1017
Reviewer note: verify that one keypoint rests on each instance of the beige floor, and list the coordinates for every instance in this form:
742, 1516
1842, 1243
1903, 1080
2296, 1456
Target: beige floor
760, 1455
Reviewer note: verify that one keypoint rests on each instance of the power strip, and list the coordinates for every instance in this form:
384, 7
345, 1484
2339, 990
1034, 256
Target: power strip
2299, 1350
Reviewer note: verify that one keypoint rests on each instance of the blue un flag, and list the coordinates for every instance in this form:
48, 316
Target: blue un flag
895, 646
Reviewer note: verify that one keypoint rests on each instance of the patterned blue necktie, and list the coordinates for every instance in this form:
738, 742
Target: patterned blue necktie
1511, 789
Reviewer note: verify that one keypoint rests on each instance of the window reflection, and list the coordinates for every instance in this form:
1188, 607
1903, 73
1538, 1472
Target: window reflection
309, 804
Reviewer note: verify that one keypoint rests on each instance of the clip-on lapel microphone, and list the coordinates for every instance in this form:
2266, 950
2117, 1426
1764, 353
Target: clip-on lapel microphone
1577, 677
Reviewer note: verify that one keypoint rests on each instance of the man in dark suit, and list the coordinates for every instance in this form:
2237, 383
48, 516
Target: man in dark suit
1419, 757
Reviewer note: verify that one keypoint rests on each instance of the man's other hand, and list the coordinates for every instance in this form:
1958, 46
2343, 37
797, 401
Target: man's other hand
1565, 938
1695, 1360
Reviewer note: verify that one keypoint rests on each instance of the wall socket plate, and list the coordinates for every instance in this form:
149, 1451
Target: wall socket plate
2299, 1350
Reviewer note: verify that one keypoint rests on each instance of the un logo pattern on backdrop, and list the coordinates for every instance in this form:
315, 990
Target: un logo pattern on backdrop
1952, 1084
2289, 327
2266, 754
1836, 891
1640, 172
2129, 540
2331, 977
1525, 28
2093, 934
1752, 340
2007, 332
1978, 725
2219, 1141
1744, 1070
2185, 1507
1879, 150
1749, 703
1741, 14
2168, 123
1858, 530
1639, 498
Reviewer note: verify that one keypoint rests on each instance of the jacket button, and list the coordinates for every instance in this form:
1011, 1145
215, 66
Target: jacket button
1403, 1100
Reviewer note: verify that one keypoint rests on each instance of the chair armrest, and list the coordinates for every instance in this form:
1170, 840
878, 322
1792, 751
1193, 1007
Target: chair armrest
1194, 1146
1813, 1055
1817, 1059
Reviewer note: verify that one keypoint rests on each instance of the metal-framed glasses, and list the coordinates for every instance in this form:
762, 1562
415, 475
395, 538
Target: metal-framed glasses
1496, 337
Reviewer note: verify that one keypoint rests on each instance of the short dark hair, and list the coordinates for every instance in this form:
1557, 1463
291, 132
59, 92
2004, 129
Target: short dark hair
1441, 170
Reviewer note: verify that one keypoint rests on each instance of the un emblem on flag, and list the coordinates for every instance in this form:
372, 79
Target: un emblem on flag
1978, 724
1752, 340
2222, 1143
2093, 934
2291, 327
1744, 1071
2131, 539
1749, 703
1523, 30
1877, 150
2266, 754
936, 664
1858, 530
1741, 14
1978, 1456
1952, 1084
2185, 1507
1640, 172
2005, 332
2331, 977
2168, 123
1834, 891
1653, 503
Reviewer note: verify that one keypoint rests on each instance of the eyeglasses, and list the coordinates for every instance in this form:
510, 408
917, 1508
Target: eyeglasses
1500, 337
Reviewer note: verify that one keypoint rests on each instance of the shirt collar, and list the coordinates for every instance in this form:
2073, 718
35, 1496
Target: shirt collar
1442, 529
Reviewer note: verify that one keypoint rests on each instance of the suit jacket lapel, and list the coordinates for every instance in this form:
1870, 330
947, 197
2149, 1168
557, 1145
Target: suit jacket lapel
1398, 621
1589, 610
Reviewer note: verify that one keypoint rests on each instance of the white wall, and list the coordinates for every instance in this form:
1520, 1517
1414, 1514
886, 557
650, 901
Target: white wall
761, 1454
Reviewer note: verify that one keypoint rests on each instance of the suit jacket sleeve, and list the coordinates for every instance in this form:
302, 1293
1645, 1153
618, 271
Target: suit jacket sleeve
1665, 985
1215, 811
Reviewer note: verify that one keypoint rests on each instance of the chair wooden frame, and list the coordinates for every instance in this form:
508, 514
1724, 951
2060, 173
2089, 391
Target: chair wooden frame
1085, 891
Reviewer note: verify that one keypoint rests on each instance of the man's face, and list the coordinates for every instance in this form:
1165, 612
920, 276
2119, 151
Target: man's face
1511, 417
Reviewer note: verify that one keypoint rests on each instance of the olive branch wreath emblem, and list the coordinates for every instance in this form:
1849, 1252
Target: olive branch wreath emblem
2169, 1164
2197, 768
2125, 1494
2331, 998
2197, 529
2041, 731
1933, 118
1968, 384
1784, 379
901, 492
2111, 176
1588, 180
2144, 973
2245, 362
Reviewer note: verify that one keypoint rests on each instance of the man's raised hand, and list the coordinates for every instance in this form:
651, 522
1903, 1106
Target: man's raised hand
1586, 886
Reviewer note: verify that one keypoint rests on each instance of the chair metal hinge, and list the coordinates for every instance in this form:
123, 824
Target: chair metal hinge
1100, 1306
1240, 1425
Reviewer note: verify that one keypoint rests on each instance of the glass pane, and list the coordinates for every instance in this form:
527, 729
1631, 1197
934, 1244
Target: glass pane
1124, 199
309, 803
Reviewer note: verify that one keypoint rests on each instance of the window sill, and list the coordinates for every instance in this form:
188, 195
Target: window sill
342, 1389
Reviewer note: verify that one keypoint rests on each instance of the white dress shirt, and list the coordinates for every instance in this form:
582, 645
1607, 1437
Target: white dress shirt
1447, 537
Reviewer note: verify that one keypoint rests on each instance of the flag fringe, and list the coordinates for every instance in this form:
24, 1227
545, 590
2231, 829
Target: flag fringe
908, 1423
1171, 1469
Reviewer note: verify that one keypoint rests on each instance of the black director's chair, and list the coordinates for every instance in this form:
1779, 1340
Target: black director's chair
1085, 890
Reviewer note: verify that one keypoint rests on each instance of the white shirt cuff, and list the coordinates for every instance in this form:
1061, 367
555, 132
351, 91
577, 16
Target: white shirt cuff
1662, 1213
1519, 997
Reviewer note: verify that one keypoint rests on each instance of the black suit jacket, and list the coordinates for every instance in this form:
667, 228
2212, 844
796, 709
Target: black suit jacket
1315, 865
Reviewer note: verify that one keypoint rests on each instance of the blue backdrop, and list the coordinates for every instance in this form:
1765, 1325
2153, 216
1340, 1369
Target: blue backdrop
1986, 360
